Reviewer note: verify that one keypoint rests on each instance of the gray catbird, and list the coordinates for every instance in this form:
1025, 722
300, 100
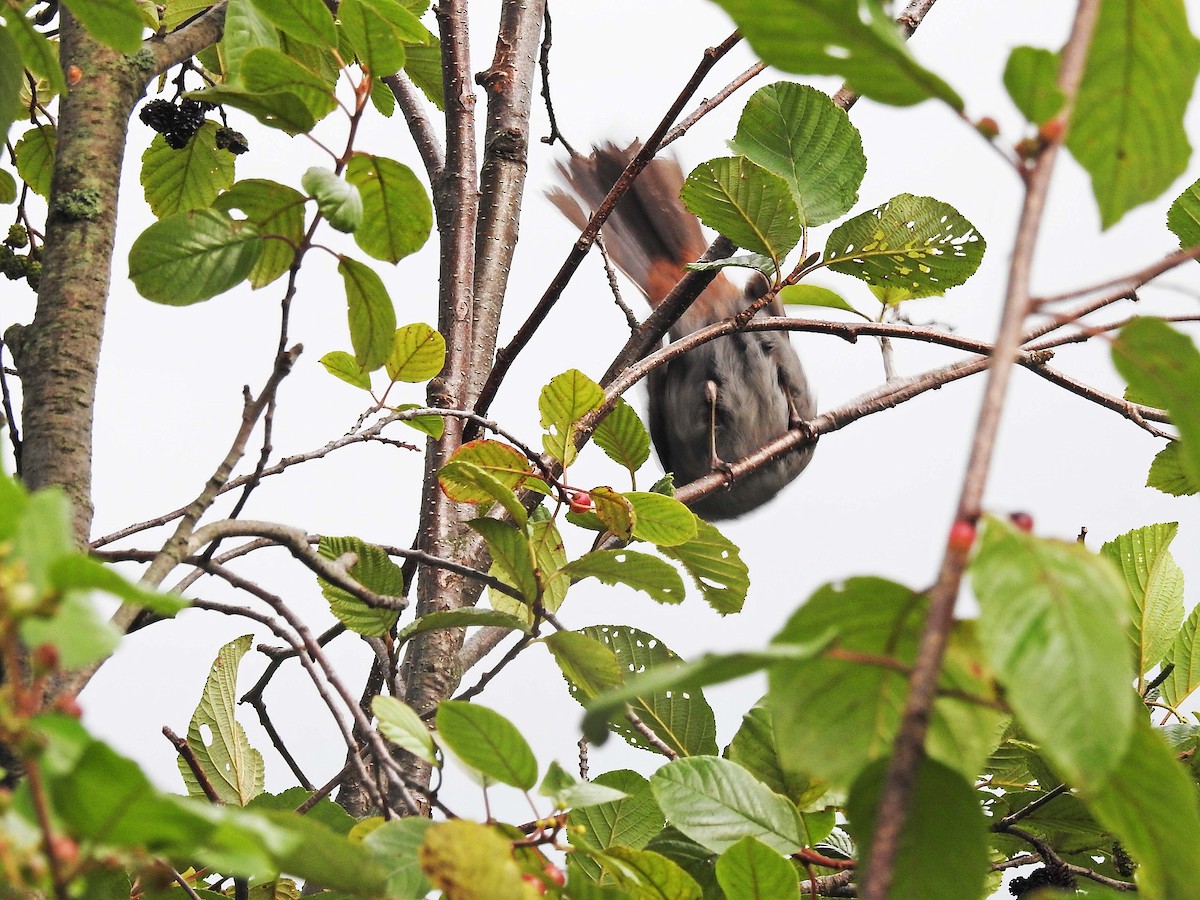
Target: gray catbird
724, 399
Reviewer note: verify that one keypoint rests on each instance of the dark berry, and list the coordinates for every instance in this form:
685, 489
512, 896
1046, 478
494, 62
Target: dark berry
18, 237
177, 140
161, 115
233, 141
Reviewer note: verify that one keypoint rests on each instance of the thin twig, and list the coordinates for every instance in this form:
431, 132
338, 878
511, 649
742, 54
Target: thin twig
184, 749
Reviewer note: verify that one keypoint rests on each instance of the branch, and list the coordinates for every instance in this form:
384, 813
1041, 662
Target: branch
184, 749
429, 145
909, 747
184, 43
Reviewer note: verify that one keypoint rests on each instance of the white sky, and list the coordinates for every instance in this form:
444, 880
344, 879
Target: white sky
877, 499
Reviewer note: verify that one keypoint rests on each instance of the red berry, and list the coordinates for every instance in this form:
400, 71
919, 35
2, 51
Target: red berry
1022, 520
581, 502
1051, 132
533, 881
69, 706
988, 127
65, 850
962, 535
555, 874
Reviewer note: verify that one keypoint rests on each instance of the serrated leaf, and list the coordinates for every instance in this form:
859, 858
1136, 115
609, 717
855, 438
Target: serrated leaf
424, 67
37, 53
1150, 804
369, 311
1184, 655
375, 571
812, 295
232, 766
396, 207
192, 256
562, 402
341, 364
1127, 126
281, 109
917, 244
382, 98
748, 204
266, 70
1163, 363
661, 520
716, 803
246, 28
551, 556
503, 461
375, 40
468, 483
623, 437
305, 20
715, 565
512, 554
612, 510
400, 724
796, 132
177, 181
487, 742
339, 201
759, 262
1183, 218
833, 715
646, 875
116, 23
1052, 620
858, 41
1155, 585
630, 821
277, 211
1031, 79
750, 870
418, 353
639, 571
35, 158
755, 748
682, 720
944, 818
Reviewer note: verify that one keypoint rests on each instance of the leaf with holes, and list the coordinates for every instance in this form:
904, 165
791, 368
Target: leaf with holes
748, 204
374, 570
192, 256
798, 133
715, 564
233, 768
917, 245
639, 571
277, 212
487, 742
180, 180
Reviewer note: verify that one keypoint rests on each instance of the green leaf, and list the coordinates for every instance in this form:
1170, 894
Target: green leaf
750, 870
35, 158
716, 803
374, 39
756, 261
1031, 79
382, 98
551, 556
76, 628
944, 818
1155, 589
267, 71
8, 187
370, 313
11, 77
178, 181
469, 483
39, 55
1183, 218
487, 742
512, 554
1160, 362
857, 41
374, 570
246, 28
424, 67
277, 211
646, 875
505, 462
755, 747
811, 295
623, 437
472, 861
683, 677
682, 721
917, 244
833, 714
1150, 804
176, 12
41, 536
400, 724
611, 510
431, 425
458, 618
589, 665
630, 821
305, 20
338, 200
639, 571
396, 845
282, 110
660, 519
1052, 620
341, 364
746, 203
697, 861
418, 353
715, 565
232, 766
192, 256
1127, 126
562, 403
796, 132
396, 207
568, 792
1185, 656
79, 572
116, 23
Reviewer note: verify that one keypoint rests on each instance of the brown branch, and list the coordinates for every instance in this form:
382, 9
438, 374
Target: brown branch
184, 43
650, 737
908, 749
184, 749
429, 145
